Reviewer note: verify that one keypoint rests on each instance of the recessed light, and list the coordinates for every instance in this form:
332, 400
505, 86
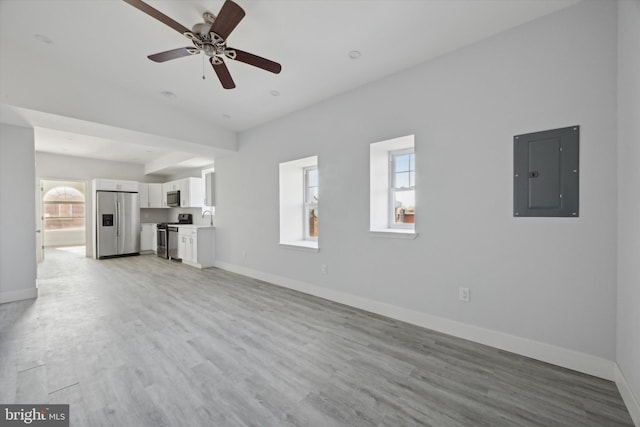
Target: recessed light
44, 39
226, 116
168, 94
275, 93
355, 54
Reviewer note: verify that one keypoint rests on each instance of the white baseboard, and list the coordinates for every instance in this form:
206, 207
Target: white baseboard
18, 295
629, 397
549, 353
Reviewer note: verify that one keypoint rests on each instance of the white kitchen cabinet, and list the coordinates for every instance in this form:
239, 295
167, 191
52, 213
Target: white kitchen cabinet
196, 246
154, 238
172, 185
115, 185
150, 195
143, 192
192, 193
155, 196
146, 238
163, 190
183, 253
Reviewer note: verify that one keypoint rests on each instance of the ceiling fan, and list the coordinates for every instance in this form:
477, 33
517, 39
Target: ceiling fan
209, 37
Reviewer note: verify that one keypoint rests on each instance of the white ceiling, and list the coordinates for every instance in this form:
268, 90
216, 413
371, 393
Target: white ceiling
107, 41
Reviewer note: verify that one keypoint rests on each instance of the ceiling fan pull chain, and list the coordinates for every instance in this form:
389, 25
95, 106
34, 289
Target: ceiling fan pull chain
203, 78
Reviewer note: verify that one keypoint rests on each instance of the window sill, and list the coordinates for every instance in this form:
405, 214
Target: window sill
394, 233
302, 245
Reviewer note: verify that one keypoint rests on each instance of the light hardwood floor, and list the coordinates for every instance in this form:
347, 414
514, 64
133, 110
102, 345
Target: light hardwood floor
142, 341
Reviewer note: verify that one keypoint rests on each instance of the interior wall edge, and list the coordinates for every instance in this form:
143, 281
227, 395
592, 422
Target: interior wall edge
630, 399
19, 295
549, 353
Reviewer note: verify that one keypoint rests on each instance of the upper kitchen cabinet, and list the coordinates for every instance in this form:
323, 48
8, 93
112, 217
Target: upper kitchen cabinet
115, 185
151, 195
143, 192
191, 192
155, 196
172, 185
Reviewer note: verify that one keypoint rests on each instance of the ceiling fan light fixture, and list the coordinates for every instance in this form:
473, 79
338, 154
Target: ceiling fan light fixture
209, 49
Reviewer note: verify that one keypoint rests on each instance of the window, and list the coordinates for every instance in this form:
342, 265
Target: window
63, 209
311, 203
402, 191
299, 186
392, 191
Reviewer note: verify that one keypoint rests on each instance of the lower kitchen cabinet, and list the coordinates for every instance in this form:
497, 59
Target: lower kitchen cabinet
147, 238
196, 245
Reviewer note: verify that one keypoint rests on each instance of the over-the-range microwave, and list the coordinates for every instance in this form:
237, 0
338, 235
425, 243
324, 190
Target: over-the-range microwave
173, 198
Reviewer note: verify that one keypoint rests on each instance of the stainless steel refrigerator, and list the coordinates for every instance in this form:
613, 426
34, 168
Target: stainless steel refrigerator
118, 224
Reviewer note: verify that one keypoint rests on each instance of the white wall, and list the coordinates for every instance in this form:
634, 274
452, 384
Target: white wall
551, 280
628, 349
17, 214
55, 166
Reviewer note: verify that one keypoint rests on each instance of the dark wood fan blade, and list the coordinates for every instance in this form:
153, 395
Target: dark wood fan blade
228, 18
170, 54
257, 61
223, 74
154, 13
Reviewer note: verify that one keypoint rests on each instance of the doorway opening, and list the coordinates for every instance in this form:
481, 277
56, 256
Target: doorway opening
63, 215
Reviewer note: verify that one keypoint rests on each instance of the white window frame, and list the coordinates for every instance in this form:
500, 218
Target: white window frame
380, 180
292, 204
309, 204
393, 190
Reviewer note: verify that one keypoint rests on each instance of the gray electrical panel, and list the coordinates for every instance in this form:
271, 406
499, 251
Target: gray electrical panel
546, 174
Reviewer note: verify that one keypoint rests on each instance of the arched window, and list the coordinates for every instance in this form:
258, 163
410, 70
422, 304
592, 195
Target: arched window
63, 209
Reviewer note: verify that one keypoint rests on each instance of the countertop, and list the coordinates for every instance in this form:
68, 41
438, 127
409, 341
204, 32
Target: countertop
181, 225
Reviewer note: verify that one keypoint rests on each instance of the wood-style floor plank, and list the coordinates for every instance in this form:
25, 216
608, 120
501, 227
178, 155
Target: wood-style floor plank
142, 341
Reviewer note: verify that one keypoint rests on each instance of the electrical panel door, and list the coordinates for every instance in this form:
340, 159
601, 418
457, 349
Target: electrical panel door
545, 166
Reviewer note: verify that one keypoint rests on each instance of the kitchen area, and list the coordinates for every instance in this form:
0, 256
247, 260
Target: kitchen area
172, 220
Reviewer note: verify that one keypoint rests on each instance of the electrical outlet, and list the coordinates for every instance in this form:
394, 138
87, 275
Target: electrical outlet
463, 294
324, 269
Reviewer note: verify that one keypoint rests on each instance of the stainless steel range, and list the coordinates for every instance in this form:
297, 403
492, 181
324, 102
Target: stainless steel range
168, 236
